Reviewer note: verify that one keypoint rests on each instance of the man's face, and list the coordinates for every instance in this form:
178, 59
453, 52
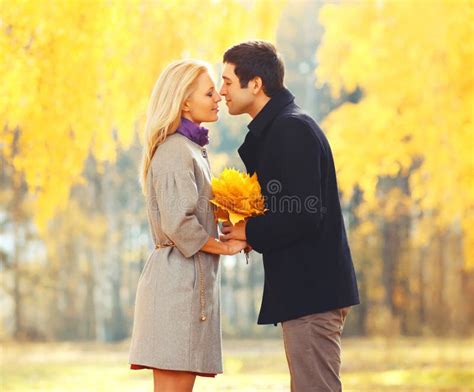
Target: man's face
239, 100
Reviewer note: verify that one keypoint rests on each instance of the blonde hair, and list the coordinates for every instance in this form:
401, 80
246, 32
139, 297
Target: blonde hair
173, 87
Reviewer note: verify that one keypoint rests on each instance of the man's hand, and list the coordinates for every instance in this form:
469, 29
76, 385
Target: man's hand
231, 232
234, 247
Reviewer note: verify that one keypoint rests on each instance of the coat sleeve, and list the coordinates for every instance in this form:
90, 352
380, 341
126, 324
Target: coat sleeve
294, 200
177, 199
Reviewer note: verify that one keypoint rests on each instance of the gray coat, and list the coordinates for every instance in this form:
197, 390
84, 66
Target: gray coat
179, 284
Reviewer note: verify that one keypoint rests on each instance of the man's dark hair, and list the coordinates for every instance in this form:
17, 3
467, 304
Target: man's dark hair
257, 58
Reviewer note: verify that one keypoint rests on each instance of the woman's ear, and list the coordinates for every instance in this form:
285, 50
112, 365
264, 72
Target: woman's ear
186, 107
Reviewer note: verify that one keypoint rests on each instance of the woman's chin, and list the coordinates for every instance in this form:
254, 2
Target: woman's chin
213, 118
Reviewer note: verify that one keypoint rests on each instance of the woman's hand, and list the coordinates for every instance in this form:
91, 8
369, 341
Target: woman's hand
235, 246
228, 248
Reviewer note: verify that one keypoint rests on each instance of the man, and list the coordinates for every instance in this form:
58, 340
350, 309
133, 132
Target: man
310, 282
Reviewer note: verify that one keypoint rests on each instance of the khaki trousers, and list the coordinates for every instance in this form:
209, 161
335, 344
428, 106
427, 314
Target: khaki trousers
313, 350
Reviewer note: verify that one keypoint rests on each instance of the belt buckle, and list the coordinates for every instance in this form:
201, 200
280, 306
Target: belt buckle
165, 245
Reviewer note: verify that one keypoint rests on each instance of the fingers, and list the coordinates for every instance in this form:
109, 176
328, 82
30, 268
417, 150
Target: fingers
243, 245
237, 246
226, 224
225, 237
226, 230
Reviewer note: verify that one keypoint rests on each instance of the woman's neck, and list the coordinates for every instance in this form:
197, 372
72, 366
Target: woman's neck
188, 117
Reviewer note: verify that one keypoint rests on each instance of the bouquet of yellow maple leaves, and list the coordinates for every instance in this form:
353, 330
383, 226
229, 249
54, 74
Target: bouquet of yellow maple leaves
237, 196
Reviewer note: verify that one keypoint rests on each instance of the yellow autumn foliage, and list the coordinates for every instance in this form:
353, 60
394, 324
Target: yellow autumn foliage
413, 62
77, 74
237, 196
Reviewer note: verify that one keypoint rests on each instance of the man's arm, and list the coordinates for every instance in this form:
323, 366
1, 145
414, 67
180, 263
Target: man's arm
297, 208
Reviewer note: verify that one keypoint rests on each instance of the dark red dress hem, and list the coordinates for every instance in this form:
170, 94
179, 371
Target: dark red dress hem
138, 367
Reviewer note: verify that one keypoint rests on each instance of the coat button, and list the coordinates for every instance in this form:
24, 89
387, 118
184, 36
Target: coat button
203, 318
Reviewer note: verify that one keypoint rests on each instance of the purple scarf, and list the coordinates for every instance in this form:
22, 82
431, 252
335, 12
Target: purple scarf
194, 132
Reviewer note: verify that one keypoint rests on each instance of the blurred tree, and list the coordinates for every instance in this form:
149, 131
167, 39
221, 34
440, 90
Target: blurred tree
76, 77
407, 146
73, 71
16, 225
413, 62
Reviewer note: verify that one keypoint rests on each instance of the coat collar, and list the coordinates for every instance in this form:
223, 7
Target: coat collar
281, 99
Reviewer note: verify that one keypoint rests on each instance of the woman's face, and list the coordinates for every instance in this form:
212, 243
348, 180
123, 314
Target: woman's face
202, 105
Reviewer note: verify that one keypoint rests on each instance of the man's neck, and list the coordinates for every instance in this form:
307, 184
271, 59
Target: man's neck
258, 105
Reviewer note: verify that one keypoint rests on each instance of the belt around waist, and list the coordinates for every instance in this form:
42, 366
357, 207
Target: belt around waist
164, 245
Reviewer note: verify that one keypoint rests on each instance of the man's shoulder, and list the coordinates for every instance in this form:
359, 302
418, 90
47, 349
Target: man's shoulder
294, 126
294, 116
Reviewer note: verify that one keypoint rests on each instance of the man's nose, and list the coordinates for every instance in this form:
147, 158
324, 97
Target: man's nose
222, 91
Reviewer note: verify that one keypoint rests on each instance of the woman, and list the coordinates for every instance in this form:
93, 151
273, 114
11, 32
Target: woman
176, 330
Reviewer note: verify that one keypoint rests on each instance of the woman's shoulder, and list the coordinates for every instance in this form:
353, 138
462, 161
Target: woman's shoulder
174, 154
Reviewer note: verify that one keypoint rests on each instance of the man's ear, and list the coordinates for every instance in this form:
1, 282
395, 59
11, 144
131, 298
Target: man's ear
256, 85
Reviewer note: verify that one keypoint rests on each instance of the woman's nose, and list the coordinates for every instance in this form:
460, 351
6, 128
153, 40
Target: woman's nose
218, 97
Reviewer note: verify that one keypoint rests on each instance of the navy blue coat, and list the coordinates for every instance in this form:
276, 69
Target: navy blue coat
306, 256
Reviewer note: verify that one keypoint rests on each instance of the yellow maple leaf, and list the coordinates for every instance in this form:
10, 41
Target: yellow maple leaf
237, 196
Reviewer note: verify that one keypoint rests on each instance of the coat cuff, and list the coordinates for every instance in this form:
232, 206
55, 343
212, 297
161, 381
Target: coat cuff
252, 236
190, 248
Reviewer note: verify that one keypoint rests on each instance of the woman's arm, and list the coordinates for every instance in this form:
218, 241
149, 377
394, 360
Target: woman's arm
228, 248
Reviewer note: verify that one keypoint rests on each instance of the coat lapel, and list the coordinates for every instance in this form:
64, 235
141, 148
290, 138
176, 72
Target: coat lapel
248, 153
